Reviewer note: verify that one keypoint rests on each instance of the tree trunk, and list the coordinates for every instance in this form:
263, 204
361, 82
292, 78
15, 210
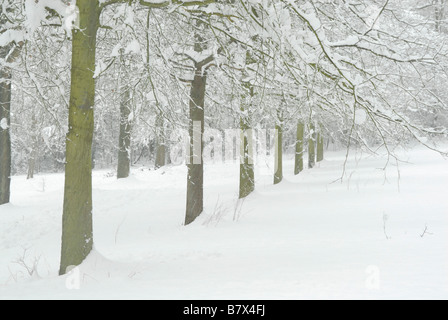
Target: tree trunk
93, 153
278, 175
312, 146
438, 13
160, 156
9, 54
31, 165
124, 141
320, 146
77, 233
160, 160
151, 149
195, 179
34, 145
5, 136
247, 175
298, 165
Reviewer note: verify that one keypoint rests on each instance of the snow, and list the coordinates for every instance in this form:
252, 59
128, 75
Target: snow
309, 237
4, 124
360, 116
199, 57
133, 47
36, 12
11, 36
100, 67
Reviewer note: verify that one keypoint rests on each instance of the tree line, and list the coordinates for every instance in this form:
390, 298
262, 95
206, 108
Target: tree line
80, 81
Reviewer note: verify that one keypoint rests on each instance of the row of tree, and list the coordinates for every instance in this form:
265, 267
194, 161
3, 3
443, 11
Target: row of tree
364, 73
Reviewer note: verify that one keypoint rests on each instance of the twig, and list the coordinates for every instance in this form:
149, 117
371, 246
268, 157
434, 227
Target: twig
426, 232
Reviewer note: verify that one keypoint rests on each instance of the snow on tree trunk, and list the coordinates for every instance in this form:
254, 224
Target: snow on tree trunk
77, 233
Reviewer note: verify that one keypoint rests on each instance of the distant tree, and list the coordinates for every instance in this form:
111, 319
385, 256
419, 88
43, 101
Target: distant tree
298, 164
124, 139
320, 145
9, 51
311, 145
279, 127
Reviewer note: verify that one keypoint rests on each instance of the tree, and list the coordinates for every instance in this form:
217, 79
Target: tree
160, 159
320, 145
298, 164
195, 179
278, 174
124, 140
247, 174
312, 145
371, 72
77, 231
5, 123
9, 51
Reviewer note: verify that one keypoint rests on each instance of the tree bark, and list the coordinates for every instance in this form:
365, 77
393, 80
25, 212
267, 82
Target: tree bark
195, 179
5, 135
9, 53
77, 231
312, 146
278, 175
124, 141
320, 146
160, 156
247, 175
34, 146
298, 165
160, 160
31, 165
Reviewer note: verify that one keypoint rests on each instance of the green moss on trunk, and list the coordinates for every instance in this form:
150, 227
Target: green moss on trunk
77, 233
5, 136
278, 175
298, 165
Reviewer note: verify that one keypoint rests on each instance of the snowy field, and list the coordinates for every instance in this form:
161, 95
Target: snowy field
307, 238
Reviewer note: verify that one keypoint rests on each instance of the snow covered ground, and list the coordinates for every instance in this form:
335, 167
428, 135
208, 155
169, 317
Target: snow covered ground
307, 238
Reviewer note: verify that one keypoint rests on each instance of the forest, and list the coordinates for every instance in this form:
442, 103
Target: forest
215, 106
